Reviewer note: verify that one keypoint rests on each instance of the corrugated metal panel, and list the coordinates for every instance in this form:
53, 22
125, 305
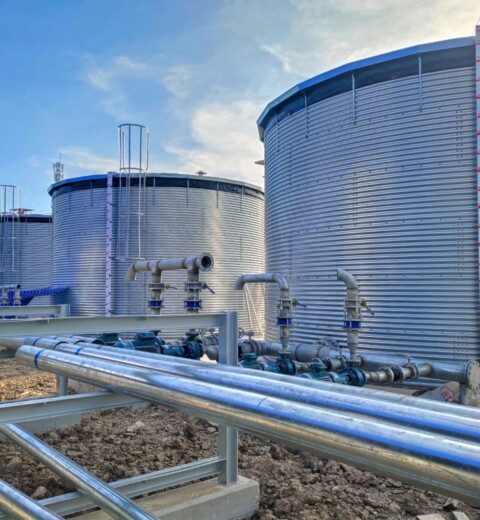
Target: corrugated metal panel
179, 222
27, 258
384, 186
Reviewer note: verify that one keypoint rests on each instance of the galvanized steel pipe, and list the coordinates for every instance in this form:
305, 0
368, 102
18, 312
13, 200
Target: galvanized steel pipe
18, 505
467, 372
442, 464
353, 313
98, 491
388, 397
193, 265
443, 422
284, 305
203, 262
384, 397
279, 279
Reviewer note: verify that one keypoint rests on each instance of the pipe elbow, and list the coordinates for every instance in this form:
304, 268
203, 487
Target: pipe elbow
347, 278
281, 281
239, 283
131, 274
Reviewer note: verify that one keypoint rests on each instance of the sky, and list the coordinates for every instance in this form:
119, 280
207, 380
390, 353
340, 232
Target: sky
198, 73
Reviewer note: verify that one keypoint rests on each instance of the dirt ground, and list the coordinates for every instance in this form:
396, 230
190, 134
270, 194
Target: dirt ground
116, 444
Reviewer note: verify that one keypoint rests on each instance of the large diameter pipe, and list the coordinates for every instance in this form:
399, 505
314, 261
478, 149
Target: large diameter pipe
448, 424
345, 390
284, 306
17, 505
279, 279
352, 310
386, 397
98, 491
467, 372
442, 464
203, 262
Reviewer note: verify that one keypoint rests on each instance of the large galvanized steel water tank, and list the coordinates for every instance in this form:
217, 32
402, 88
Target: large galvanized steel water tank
181, 215
26, 252
371, 167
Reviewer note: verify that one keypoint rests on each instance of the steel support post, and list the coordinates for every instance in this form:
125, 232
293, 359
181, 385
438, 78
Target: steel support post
62, 385
227, 436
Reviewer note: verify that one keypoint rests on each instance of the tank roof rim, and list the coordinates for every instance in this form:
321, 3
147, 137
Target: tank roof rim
73, 180
359, 64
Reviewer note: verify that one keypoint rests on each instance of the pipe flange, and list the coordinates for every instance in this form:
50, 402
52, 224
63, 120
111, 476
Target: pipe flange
414, 370
398, 374
156, 304
472, 375
192, 304
390, 375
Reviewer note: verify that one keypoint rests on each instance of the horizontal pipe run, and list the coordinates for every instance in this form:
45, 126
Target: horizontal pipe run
438, 463
109, 324
387, 376
409, 416
100, 493
279, 279
456, 371
79, 339
384, 397
18, 505
203, 262
379, 395
466, 372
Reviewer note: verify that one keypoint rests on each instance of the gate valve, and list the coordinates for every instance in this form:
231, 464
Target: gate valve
284, 312
296, 303
364, 305
205, 286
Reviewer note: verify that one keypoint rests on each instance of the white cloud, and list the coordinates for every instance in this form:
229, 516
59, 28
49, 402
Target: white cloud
226, 142
82, 158
326, 34
101, 79
108, 80
128, 64
178, 80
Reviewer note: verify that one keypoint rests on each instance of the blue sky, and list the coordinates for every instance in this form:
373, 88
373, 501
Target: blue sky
197, 73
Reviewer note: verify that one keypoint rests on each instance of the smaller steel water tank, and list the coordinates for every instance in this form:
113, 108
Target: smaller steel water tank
26, 251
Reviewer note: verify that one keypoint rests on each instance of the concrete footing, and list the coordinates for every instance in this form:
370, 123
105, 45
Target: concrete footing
206, 499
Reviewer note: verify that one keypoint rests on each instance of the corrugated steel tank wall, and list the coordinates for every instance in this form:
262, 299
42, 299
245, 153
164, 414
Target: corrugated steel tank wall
179, 221
26, 253
381, 182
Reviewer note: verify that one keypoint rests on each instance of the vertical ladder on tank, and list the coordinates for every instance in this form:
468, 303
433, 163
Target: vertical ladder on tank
10, 212
134, 144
